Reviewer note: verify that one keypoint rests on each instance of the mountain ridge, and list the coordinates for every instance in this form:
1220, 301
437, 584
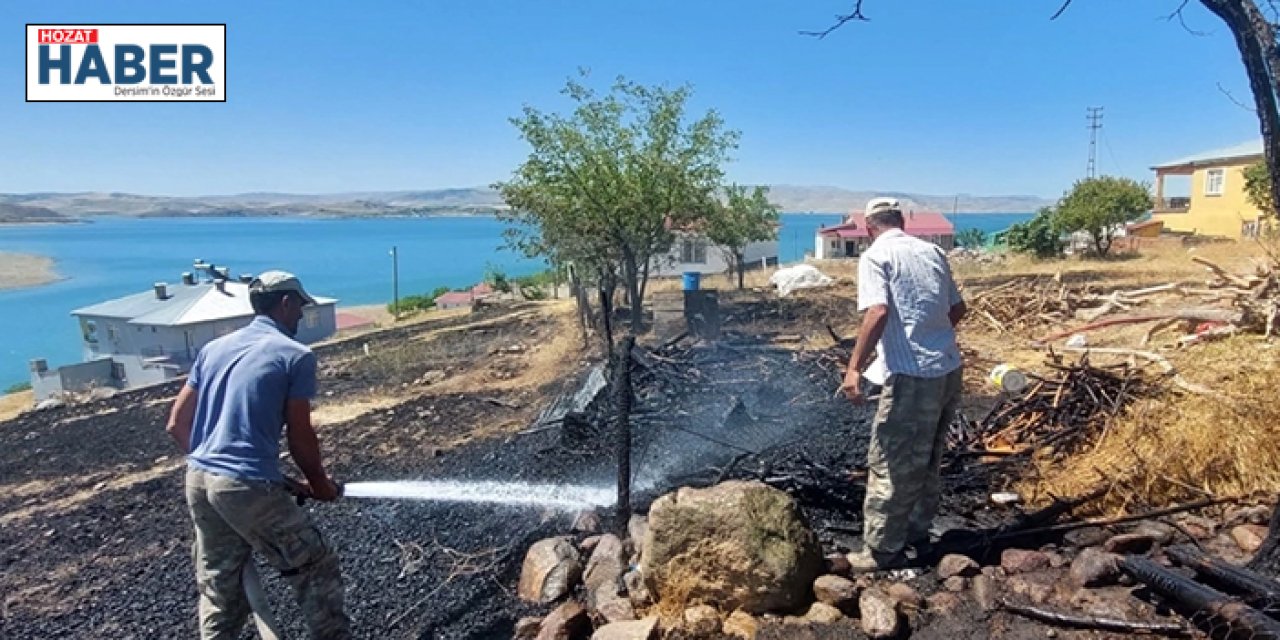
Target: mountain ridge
447, 201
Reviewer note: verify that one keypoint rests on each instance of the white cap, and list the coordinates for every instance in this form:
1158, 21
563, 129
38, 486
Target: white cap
272, 281
883, 204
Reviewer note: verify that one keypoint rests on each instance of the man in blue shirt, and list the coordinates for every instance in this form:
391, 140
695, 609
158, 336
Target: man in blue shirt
243, 388
911, 307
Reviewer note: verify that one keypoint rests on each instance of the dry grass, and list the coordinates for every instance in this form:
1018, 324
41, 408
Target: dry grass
1180, 447
12, 404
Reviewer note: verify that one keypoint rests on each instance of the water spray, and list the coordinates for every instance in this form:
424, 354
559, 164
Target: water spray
557, 496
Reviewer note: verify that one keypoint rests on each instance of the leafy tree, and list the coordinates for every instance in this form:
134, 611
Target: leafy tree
1257, 187
1038, 236
1100, 206
744, 217
18, 387
497, 278
603, 186
971, 238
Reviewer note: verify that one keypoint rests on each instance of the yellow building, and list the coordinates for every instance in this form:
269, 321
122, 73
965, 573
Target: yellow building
1215, 202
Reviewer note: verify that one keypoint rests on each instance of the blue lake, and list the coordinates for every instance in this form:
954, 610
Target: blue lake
348, 259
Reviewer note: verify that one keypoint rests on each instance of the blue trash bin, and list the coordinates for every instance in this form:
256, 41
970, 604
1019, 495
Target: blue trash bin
692, 280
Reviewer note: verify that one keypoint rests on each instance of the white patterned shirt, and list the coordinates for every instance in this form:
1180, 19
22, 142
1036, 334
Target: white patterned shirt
913, 279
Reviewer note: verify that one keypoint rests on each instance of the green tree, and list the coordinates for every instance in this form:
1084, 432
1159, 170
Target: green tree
744, 217
1257, 187
604, 185
971, 238
1038, 236
1101, 206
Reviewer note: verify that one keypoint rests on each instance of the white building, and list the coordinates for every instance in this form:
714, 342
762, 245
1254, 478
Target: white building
154, 336
693, 252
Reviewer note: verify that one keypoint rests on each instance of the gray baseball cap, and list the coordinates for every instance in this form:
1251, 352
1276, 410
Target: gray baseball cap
274, 281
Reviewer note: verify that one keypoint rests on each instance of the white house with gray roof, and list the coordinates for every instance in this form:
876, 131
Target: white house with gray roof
154, 336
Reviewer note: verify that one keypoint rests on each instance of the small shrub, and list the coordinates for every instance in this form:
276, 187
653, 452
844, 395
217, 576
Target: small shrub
18, 388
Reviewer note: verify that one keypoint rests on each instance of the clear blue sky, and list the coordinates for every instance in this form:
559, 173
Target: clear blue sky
931, 96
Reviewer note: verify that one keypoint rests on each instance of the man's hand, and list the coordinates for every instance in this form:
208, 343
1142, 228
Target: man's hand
852, 387
325, 490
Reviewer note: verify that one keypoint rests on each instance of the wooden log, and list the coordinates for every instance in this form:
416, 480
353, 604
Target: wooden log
1093, 622
1200, 599
1252, 586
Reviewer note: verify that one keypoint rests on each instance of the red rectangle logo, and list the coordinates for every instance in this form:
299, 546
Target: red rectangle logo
68, 36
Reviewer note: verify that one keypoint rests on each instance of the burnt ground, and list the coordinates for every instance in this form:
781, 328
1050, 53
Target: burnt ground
94, 537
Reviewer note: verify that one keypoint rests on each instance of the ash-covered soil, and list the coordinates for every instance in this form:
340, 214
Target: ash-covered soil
94, 536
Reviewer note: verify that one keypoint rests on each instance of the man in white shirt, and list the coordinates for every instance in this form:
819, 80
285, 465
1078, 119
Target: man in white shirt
911, 306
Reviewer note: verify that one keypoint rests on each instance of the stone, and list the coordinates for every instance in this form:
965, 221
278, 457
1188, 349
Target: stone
987, 592
823, 613
954, 564
630, 630
1036, 587
943, 602
906, 597
637, 525
1254, 514
1160, 532
1198, 527
1023, 561
741, 624
569, 621
616, 609
551, 569
1085, 537
1248, 537
838, 592
603, 575
527, 628
1129, 543
1094, 568
838, 564
1057, 560
879, 614
701, 621
589, 543
743, 545
637, 591
955, 584
587, 522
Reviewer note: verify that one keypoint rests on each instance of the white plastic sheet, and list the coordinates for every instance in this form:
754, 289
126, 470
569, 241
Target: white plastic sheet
801, 276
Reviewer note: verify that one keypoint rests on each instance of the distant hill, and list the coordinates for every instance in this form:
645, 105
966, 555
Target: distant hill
16, 213
836, 200
460, 201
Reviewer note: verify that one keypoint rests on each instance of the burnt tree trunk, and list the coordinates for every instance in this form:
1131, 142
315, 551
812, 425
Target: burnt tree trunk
1256, 39
1267, 560
631, 277
739, 261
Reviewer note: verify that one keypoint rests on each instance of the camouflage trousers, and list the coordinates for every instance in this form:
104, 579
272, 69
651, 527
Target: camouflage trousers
904, 460
235, 517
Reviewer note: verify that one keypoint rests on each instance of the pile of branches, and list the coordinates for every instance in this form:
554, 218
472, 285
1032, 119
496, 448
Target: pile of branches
1255, 296
1066, 410
1030, 301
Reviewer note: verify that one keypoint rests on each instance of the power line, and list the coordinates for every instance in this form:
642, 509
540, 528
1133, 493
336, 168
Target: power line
1095, 123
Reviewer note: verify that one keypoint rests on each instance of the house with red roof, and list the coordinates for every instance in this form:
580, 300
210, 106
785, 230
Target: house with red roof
455, 300
850, 238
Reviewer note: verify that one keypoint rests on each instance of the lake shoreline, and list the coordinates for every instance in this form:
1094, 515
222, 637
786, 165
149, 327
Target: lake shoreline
25, 270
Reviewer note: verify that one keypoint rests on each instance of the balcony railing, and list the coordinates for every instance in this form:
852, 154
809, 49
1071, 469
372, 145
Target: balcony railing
1172, 205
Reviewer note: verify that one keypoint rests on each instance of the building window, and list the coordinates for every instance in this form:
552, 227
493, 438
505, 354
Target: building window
693, 251
1214, 180
1250, 229
117, 371
311, 319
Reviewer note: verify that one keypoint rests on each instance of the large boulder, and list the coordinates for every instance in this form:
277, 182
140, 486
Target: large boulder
569, 621
741, 545
551, 569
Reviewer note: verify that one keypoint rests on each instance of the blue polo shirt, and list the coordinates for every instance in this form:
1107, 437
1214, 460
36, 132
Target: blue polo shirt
242, 381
